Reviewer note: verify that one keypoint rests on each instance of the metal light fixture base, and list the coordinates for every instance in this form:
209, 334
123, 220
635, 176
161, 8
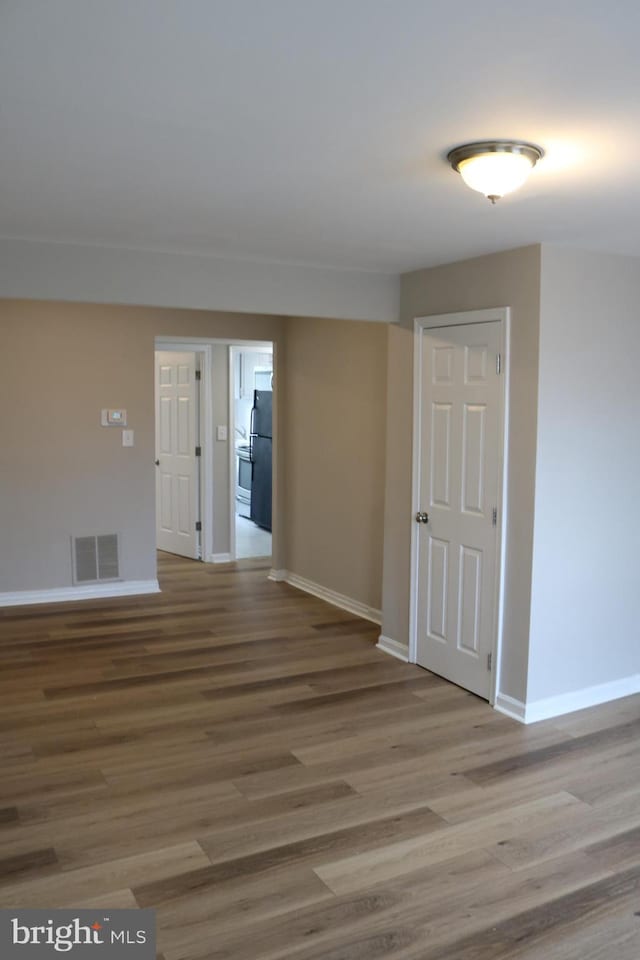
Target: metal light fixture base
481, 147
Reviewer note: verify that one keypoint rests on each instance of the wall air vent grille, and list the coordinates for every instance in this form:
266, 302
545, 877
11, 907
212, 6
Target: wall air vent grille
96, 558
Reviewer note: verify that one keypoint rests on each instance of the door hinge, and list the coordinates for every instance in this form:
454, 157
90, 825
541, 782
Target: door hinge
198, 374
494, 516
198, 451
498, 362
489, 661
198, 526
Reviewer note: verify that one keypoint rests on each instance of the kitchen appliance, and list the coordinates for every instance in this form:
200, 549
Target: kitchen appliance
243, 479
260, 441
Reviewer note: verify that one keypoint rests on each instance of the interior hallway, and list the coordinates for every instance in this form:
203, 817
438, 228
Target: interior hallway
237, 755
251, 540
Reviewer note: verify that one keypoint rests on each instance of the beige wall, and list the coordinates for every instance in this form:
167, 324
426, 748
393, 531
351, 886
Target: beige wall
222, 494
61, 473
334, 452
506, 279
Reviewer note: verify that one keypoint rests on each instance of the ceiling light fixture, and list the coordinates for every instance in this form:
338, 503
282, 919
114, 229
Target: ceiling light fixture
495, 167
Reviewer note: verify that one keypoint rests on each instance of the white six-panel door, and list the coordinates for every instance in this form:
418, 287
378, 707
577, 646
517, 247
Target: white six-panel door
176, 462
458, 492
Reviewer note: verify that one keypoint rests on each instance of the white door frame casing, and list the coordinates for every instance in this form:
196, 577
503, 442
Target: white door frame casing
232, 451
422, 326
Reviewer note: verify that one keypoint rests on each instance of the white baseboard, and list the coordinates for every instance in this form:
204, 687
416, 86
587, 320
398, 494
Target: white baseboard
218, 558
511, 707
392, 647
330, 596
550, 707
580, 699
123, 588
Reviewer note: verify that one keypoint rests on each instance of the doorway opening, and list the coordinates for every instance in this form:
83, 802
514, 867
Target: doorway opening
251, 405
215, 455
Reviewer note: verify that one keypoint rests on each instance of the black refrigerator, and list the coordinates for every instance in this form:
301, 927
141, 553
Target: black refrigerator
260, 442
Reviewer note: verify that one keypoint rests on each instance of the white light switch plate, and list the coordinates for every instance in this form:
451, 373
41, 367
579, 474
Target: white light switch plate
127, 438
221, 433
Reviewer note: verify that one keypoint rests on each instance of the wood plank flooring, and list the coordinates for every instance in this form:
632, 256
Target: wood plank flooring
238, 756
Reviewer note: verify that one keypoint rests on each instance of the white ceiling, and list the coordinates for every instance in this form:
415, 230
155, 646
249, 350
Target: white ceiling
313, 131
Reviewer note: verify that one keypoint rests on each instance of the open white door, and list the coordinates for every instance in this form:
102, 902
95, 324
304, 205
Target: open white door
459, 460
177, 479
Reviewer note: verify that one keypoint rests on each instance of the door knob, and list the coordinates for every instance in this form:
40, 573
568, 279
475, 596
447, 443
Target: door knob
422, 517
157, 463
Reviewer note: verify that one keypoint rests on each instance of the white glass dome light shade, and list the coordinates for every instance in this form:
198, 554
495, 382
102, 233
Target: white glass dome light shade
495, 168
495, 174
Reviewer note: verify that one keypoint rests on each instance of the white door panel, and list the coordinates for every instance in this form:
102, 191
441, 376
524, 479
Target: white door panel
458, 489
176, 438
